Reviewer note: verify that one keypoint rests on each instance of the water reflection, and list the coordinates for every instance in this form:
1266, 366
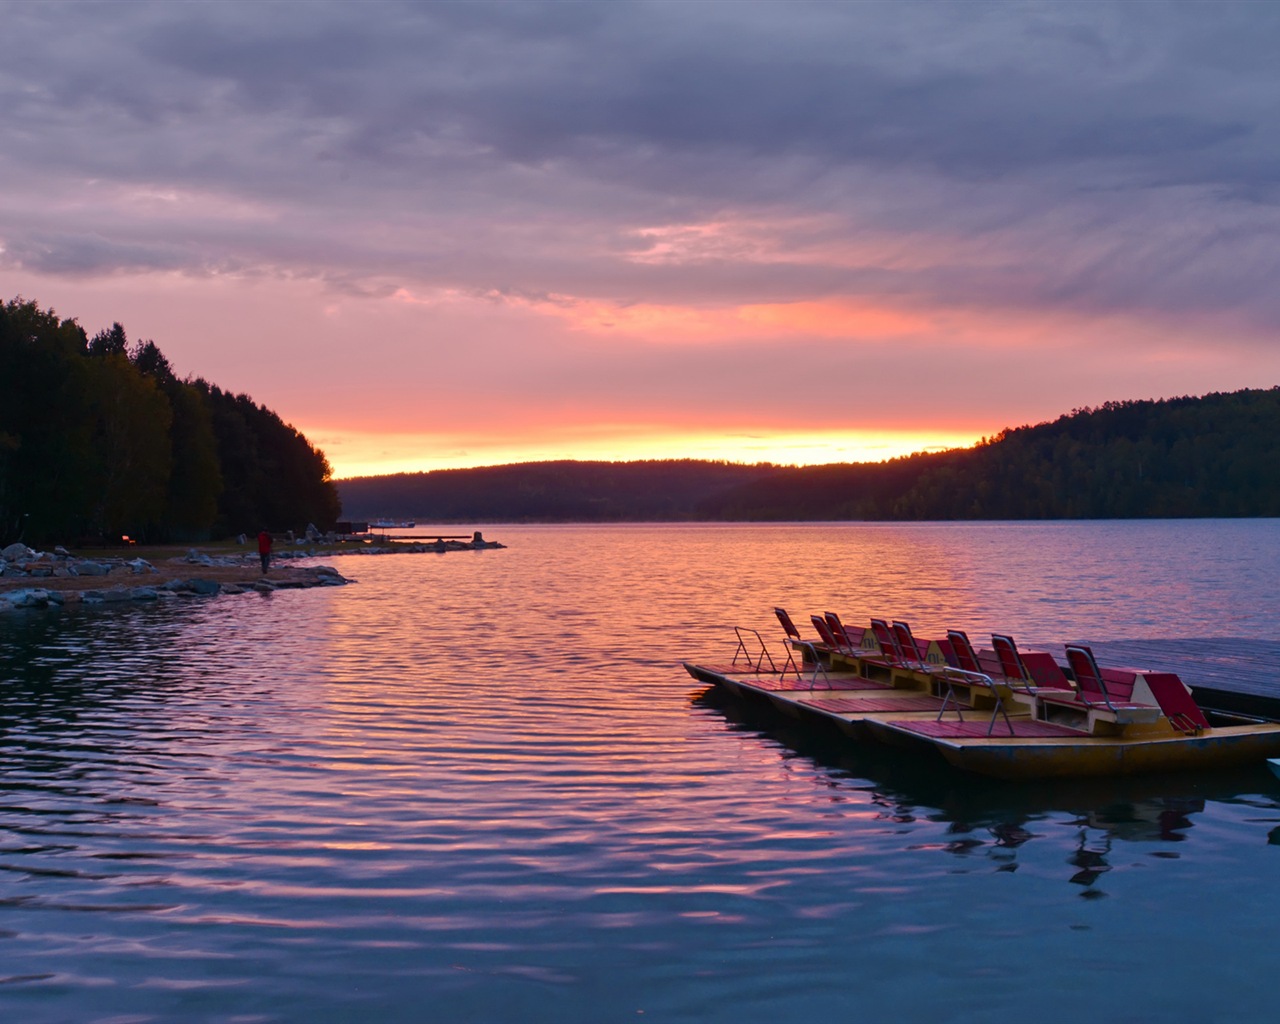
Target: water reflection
478, 784
1092, 864
1000, 821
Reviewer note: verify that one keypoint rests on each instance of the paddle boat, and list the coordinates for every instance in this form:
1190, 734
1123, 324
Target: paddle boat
1000, 712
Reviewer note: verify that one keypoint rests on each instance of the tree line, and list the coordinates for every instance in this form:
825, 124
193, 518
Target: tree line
100, 439
562, 491
1211, 456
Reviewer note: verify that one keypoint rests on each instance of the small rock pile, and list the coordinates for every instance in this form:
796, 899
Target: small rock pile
20, 561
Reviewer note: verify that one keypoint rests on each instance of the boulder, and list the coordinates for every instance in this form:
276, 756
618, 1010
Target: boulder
17, 553
206, 588
26, 598
92, 569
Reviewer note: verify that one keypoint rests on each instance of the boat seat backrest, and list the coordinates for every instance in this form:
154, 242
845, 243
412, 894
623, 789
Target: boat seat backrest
1010, 660
788, 626
1089, 680
962, 650
837, 629
824, 631
1120, 683
885, 638
1175, 701
907, 645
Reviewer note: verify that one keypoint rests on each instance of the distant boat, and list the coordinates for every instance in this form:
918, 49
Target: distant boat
393, 524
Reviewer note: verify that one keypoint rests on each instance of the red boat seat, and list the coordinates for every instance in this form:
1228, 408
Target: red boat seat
963, 656
971, 672
788, 626
829, 639
912, 649
1111, 689
837, 628
1031, 672
1175, 701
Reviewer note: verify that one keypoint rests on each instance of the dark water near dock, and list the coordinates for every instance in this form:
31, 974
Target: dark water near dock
479, 787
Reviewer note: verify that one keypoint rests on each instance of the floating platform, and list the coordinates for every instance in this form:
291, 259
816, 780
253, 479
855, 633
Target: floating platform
998, 730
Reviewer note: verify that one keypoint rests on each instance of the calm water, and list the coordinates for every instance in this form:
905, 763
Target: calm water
479, 787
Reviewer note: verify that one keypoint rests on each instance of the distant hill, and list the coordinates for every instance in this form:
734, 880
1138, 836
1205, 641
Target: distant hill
1217, 455
548, 491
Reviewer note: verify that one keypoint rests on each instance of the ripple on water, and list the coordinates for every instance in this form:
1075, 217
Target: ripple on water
483, 785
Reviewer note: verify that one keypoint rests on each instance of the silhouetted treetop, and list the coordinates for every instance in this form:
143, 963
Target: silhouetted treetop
98, 440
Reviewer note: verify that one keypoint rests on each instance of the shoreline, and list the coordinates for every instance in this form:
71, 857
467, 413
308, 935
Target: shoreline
42, 579
171, 580
58, 579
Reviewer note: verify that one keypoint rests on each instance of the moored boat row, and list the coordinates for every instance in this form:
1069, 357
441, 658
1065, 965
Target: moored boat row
999, 711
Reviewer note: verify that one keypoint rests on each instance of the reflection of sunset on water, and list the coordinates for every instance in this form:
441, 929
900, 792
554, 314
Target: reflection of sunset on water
468, 773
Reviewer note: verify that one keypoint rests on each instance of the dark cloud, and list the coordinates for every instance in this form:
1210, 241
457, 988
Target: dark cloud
1097, 156
75, 255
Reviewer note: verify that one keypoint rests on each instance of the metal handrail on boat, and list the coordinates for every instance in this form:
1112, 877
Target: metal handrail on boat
758, 663
792, 640
814, 656
950, 672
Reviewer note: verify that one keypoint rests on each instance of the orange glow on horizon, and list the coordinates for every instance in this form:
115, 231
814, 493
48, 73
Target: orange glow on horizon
667, 323
353, 453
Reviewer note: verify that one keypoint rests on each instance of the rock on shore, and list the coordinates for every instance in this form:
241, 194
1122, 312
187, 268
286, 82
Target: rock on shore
42, 579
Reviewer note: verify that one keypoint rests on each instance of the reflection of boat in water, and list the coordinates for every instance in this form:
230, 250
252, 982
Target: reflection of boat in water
1086, 831
1151, 808
1000, 713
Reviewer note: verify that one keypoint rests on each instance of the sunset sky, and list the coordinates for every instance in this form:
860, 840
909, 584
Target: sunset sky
460, 234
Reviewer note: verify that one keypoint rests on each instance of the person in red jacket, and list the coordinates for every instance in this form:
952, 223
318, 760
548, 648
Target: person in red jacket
264, 550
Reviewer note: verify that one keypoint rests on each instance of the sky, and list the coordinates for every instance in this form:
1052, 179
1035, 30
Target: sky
437, 235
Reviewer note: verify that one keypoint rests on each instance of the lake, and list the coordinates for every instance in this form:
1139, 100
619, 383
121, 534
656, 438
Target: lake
478, 786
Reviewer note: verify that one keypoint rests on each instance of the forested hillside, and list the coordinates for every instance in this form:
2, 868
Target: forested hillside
99, 439
1211, 456
548, 491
